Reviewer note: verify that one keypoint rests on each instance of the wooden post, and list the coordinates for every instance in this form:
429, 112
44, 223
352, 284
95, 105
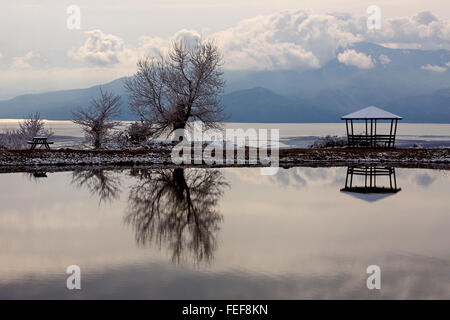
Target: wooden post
395, 179
375, 133
348, 138
351, 178
353, 136
390, 177
365, 180
390, 133
367, 134
395, 133
346, 177
371, 132
375, 177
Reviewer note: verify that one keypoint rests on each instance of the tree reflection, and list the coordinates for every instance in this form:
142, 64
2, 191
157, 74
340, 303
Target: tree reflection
105, 184
177, 208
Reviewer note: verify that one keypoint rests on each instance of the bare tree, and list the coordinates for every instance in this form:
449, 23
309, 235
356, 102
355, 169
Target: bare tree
33, 126
11, 139
96, 119
184, 85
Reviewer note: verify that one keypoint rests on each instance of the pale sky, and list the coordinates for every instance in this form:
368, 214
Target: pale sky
39, 53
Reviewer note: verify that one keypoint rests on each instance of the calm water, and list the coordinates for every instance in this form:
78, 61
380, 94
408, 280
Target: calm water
226, 233
67, 134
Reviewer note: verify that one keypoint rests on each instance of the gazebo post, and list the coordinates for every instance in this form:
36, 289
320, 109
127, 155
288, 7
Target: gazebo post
348, 137
390, 178
390, 133
353, 137
346, 177
375, 177
367, 133
395, 133
351, 179
371, 132
375, 134
395, 179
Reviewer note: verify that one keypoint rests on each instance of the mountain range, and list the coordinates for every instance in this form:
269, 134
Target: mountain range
412, 83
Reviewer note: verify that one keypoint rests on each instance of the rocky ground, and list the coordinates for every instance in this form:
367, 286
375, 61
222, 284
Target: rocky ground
24, 160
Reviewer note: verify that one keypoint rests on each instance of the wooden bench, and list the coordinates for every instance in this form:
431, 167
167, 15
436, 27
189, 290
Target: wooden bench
378, 140
40, 140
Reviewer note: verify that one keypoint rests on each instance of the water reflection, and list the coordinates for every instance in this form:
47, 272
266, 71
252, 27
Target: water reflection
34, 176
177, 208
104, 184
297, 241
373, 189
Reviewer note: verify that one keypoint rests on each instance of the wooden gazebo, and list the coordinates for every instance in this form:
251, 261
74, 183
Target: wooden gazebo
371, 138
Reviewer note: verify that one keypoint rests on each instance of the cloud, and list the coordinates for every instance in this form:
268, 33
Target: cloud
150, 46
448, 64
25, 61
285, 40
102, 49
433, 68
356, 59
1, 55
384, 59
425, 18
299, 39
292, 39
422, 31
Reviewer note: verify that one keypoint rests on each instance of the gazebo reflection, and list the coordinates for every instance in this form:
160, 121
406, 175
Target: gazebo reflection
370, 183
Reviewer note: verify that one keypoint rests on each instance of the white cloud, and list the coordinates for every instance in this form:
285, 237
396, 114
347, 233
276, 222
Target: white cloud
24, 62
155, 45
303, 40
384, 59
1, 55
448, 64
102, 49
356, 59
433, 68
285, 40
422, 31
293, 39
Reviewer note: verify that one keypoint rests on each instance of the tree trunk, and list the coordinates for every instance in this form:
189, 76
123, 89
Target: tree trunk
179, 125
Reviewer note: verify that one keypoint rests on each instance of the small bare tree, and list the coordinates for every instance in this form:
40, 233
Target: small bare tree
96, 119
184, 85
11, 139
31, 126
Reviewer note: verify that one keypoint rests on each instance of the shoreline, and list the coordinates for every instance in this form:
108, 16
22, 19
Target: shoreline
68, 159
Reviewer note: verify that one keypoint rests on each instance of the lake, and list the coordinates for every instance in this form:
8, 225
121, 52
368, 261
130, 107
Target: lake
67, 134
225, 233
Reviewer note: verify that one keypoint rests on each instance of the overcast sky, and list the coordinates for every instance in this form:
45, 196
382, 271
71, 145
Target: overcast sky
39, 53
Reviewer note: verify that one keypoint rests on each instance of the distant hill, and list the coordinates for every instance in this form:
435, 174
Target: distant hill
398, 82
58, 105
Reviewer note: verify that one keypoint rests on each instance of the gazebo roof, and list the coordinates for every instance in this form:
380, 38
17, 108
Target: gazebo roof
369, 197
371, 113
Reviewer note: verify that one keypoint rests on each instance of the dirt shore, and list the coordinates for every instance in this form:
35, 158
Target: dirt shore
65, 159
